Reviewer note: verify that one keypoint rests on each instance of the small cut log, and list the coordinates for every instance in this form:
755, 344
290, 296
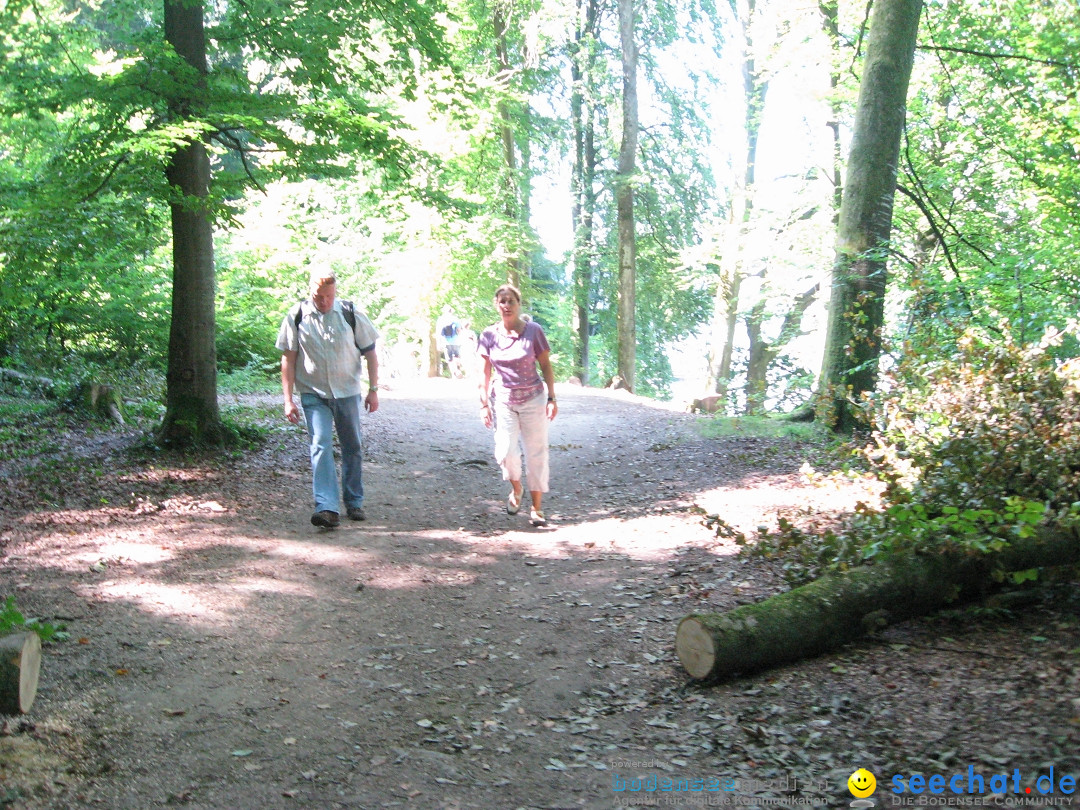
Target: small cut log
20, 665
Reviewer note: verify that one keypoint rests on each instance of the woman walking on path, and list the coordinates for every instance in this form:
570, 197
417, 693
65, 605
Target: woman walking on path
523, 402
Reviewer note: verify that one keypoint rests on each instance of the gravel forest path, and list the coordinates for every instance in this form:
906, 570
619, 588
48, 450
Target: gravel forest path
226, 654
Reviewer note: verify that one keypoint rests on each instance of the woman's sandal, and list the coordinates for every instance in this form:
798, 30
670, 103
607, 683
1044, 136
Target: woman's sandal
513, 506
536, 518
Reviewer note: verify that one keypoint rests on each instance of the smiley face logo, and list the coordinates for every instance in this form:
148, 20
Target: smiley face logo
862, 783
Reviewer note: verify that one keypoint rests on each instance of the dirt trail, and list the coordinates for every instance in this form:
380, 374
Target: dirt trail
226, 654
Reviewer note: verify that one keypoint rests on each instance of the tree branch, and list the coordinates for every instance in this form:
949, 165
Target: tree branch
996, 56
911, 195
228, 140
120, 161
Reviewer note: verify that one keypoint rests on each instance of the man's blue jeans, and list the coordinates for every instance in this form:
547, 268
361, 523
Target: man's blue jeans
322, 416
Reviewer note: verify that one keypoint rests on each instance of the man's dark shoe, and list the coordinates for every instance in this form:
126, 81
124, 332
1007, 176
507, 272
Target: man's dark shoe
326, 519
356, 513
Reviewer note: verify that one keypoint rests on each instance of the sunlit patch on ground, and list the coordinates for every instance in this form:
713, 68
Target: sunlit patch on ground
417, 576
645, 538
319, 554
211, 604
761, 502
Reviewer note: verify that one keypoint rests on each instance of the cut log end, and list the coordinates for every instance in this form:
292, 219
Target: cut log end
20, 666
695, 647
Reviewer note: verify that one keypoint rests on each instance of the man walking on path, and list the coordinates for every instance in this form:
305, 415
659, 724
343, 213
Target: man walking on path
323, 342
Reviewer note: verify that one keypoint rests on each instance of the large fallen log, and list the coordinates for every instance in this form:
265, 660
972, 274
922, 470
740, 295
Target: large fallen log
44, 384
20, 665
838, 608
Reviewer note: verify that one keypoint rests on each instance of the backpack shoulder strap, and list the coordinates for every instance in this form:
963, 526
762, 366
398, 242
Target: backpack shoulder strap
349, 311
298, 314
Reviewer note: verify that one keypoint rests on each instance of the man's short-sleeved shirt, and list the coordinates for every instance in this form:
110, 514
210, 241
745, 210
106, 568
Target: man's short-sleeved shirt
328, 363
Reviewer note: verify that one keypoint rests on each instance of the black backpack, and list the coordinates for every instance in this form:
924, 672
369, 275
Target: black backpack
347, 309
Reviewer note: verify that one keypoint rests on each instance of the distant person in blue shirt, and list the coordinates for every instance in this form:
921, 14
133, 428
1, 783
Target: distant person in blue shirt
450, 334
323, 342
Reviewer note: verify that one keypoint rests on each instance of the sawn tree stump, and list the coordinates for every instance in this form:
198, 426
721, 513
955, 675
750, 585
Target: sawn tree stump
20, 665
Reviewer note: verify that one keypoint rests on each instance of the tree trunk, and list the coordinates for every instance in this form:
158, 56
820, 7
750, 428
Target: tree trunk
759, 357
830, 24
511, 181
726, 306
624, 201
857, 305
829, 612
762, 353
434, 355
191, 406
584, 205
20, 666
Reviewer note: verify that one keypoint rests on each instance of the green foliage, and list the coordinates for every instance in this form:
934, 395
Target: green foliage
381, 246
762, 427
296, 96
992, 159
89, 95
256, 377
249, 313
973, 452
669, 307
80, 267
1001, 421
27, 429
242, 435
12, 620
367, 152
673, 188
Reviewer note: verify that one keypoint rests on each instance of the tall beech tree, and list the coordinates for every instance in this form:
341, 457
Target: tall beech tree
624, 199
191, 406
514, 190
326, 67
583, 180
856, 318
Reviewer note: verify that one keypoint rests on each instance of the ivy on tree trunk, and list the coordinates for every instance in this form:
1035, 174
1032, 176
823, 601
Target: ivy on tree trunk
857, 306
